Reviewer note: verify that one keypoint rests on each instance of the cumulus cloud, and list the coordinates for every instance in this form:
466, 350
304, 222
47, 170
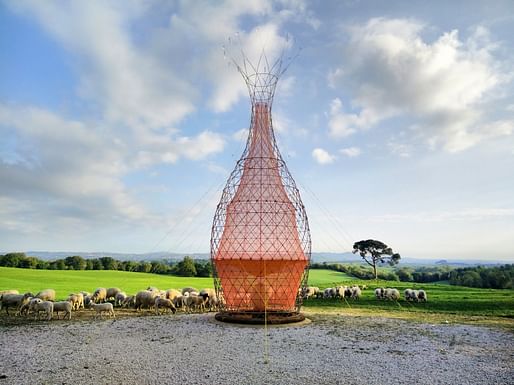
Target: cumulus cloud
444, 85
350, 152
322, 156
78, 168
128, 82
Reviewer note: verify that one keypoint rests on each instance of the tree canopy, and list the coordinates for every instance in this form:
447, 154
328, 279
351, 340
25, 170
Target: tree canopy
374, 252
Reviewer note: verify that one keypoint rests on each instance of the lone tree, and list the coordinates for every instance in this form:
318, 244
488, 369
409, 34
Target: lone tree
374, 252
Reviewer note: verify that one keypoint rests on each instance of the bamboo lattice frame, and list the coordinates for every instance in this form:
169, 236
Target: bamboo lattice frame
260, 240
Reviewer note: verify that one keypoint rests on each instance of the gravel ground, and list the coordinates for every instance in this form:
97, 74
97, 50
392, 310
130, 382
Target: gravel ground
196, 349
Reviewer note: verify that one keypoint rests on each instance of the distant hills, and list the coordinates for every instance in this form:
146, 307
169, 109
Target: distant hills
316, 257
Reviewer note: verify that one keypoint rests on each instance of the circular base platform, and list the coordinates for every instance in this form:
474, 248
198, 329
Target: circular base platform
259, 318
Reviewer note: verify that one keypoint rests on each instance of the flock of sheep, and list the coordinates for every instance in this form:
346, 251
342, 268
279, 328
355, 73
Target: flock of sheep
355, 292
43, 305
102, 300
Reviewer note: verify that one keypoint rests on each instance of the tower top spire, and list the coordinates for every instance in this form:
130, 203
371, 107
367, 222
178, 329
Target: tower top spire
261, 75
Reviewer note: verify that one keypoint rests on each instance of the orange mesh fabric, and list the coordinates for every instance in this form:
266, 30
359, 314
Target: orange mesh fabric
260, 259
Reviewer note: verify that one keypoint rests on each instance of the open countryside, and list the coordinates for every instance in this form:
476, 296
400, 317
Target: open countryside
444, 300
265, 192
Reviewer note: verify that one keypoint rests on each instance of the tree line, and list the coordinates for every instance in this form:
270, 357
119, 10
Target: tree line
187, 267
495, 277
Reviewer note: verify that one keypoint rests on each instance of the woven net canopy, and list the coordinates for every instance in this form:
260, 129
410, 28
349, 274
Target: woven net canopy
260, 243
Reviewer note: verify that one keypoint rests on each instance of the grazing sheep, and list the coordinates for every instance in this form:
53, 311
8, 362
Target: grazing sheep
87, 301
100, 308
179, 302
24, 307
64, 306
392, 294
9, 292
328, 292
46, 295
422, 296
39, 306
145, 299
111, 293
380, 293
76, 300
310, 291
130, 301
410, 295
195, 302
99, 296
13, 300
211, 299
356, 292
340, 291
189, 290
119, 298
171, 294
164, 303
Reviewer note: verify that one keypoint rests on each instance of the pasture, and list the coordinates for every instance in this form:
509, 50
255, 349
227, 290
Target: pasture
69, 281
445, 302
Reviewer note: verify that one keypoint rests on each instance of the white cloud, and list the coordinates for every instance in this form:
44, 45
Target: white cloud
78, 169
322, 157
444, 85
350, 152
129, 83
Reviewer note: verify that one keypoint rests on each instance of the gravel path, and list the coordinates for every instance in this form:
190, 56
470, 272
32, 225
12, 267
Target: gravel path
195, 349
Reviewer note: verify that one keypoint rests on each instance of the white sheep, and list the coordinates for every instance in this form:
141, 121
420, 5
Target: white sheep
164, 303
380, 293
99, 296
13, 300
129, 301
76, 300
189, 290
120, 298
211, 300
422, 296
9, 292
410, 295
46, 295
340, 291
145, 299
392, 294
194, 302
64, 306
42, 306
356, 292
172, 294
100, 308
24, 307
328, 292
309, 292
111, 293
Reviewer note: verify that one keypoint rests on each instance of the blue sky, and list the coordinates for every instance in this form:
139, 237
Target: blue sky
120, 122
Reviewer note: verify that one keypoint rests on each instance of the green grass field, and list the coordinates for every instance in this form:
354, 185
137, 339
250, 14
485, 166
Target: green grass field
69, 281
444, 300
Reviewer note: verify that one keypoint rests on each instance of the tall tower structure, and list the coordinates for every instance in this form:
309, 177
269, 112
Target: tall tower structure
260, 241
